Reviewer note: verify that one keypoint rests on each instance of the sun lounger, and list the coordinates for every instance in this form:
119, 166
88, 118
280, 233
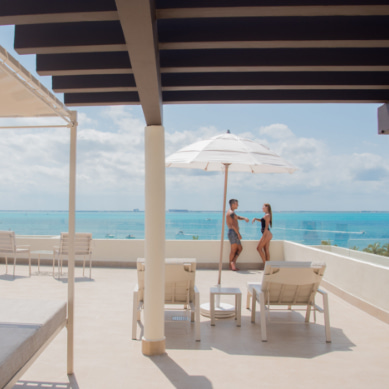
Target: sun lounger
180, 289
26, 328
288, 284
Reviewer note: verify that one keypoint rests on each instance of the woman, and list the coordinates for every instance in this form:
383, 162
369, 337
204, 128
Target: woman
264, 242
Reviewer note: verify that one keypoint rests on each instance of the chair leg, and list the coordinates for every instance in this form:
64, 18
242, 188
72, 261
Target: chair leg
134, 314
308, 313
59, 268
29, 263
6, 265
248, 299
197, 316
263, 317
83, 267
327, 318
90, 266
14, 264
253, 304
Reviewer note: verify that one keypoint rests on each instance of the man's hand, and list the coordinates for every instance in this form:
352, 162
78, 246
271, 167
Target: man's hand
246, 219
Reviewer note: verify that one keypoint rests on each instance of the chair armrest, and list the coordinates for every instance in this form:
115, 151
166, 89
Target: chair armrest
23, 246
324, 294
321, 291
254, 285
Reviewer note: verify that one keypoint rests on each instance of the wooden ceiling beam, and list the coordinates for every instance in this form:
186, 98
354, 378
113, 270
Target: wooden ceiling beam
94, 83
97, 99
311, 44
246, 59
49, 11
69, 38
276, 96
83, 63
278, 11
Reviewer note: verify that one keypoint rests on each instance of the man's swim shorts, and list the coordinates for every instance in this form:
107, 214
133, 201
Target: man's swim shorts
233, 237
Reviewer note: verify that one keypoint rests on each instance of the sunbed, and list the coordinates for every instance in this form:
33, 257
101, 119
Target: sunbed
289, 284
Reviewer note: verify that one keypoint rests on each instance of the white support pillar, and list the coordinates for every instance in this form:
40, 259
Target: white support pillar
153, 341
72, 231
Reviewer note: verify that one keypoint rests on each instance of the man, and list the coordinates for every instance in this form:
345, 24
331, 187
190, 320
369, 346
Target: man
233, 233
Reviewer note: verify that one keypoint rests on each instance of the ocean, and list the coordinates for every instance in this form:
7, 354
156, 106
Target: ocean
345, 229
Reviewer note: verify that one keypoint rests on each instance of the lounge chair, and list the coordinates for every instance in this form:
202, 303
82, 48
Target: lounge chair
8, 248
82, 247
180, 289
289, 284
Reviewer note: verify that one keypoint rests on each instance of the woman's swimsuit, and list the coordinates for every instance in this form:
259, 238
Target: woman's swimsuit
263, 225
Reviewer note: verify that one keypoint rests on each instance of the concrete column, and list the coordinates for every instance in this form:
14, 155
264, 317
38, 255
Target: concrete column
153, 341
72, 231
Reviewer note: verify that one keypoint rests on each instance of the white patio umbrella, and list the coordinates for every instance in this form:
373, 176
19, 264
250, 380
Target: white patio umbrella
226, 153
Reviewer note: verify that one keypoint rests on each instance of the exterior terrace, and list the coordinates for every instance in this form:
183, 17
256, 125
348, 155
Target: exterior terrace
296, 355
79, 35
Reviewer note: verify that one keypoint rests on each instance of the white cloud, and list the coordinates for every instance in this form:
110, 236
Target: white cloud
110, 169
276, 131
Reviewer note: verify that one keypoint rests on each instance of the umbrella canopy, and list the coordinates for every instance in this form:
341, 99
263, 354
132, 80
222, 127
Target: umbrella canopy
240, 154
229, 152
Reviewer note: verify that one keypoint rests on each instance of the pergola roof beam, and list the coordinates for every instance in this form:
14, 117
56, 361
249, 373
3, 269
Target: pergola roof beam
337, 28
279, 11
218, 50
274, 96
69, 38
49, 11
140, 31
115, 98
94, 83
83, 63
283, 58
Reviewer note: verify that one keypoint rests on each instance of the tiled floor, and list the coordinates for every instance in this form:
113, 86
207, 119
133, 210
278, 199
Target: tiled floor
295, 356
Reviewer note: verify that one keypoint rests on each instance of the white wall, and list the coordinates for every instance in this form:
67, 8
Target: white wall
206, 252
366, 281
361, 255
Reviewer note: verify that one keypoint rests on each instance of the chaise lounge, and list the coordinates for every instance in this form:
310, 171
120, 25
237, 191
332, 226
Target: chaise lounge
180, 289
289, 284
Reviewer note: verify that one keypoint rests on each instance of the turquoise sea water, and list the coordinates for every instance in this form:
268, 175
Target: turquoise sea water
345, 229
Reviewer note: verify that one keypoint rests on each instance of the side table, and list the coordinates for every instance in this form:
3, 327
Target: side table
42, 252
218, 290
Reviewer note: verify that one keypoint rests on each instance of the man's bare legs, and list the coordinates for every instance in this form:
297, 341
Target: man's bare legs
236, 249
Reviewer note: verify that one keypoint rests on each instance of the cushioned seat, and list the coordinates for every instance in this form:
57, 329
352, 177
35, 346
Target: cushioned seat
26, 328
180, 289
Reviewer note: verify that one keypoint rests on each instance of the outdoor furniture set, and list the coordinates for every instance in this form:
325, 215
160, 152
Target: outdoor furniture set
82, 247
284, 284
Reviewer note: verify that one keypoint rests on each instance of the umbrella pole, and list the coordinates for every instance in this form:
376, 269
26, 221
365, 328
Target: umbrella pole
219, 280
222, 310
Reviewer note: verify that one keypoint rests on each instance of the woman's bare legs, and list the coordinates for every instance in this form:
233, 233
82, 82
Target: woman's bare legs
263, 246
261, 251
267, 251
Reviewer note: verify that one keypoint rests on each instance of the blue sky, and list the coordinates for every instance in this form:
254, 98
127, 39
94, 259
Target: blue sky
343, 163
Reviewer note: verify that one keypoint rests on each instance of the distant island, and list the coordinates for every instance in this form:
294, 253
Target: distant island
178, 210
